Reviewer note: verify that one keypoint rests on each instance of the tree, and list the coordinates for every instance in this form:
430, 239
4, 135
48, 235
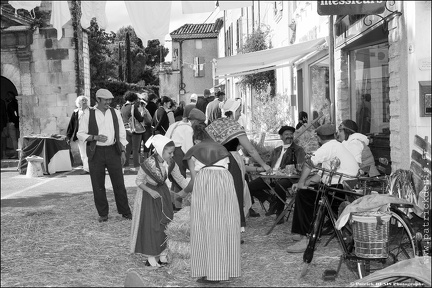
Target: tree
102, 65
143, 59
120, 63
128, 60
257, 41
155, 52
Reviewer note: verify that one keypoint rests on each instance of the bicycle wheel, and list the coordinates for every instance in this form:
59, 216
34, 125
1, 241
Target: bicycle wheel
414, 272
401, 246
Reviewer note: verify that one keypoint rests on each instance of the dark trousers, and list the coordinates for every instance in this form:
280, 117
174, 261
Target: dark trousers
108, 157
134, 146
257, 189
306, 206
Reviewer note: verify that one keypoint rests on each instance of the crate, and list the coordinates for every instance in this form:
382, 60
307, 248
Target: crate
370, 233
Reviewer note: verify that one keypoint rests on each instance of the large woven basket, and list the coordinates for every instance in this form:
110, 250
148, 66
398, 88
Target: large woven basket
371, 231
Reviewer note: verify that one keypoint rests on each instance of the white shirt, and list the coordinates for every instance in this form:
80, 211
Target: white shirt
210, 108
181, 133
354, 144
278, 162
105, 127
327, 152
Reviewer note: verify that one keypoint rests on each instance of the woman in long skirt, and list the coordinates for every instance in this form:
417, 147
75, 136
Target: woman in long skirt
153, 208
215, 216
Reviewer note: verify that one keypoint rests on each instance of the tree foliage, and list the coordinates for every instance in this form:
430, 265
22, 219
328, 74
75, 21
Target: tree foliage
108, 57
260, 82
120, 64
270, 113
102, 65
128, 60
143, 59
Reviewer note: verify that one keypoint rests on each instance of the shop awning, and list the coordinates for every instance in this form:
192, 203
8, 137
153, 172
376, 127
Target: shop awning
254, 62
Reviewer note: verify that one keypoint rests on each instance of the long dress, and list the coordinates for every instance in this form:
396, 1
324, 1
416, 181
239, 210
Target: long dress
215, 217
151, 216
222, 131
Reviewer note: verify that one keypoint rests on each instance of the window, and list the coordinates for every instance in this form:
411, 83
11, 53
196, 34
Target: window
320, 100
198, 67
370, 102
198, 44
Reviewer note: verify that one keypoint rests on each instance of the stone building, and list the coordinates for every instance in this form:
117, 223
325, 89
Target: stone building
191, 71
46, 73
386, 55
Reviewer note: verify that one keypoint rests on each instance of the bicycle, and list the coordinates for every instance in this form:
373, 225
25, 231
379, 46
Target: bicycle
402, 244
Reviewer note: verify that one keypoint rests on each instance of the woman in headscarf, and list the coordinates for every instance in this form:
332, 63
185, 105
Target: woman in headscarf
225, 129
215, 217
153, 208
82, 103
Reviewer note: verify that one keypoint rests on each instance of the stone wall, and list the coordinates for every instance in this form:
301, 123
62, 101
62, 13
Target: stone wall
342, 89
53, 74
398, 70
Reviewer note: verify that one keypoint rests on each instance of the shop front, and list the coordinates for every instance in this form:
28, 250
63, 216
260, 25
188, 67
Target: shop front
371, 82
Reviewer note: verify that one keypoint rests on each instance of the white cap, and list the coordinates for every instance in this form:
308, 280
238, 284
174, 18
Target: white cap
194, 97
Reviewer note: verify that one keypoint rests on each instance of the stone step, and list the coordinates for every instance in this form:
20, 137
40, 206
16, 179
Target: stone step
8, 163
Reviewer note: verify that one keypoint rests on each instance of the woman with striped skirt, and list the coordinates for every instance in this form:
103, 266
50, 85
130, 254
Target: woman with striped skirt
215, 217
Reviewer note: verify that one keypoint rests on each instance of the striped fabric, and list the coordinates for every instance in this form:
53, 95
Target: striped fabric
215, 226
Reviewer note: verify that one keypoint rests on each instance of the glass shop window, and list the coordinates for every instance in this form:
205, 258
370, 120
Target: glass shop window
320, 96
370, 89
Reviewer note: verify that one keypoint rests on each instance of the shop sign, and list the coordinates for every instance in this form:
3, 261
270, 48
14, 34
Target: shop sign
350, 7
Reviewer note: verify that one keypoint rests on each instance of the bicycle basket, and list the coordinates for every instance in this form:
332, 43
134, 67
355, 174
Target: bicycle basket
370, 233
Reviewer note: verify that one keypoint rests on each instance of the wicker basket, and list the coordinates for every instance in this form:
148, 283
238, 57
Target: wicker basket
371, 234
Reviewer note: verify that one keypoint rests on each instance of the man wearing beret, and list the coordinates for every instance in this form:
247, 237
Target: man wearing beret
306, 200
281, 156
104, 131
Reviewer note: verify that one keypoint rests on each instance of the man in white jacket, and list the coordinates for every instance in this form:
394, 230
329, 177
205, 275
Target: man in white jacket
357, 144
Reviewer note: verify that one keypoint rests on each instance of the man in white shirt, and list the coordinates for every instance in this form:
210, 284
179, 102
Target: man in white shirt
104, 131
191, 105
213, 109
280, 157
305, 201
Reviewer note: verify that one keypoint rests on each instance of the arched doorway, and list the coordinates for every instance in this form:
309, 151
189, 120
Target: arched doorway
7, 86
9, 135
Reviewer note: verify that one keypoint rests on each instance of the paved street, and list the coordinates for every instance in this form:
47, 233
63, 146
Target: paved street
14, 185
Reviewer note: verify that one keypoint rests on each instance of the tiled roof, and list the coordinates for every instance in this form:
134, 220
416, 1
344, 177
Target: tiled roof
196, 31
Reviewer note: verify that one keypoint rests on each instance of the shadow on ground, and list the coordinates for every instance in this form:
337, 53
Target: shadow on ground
36, 201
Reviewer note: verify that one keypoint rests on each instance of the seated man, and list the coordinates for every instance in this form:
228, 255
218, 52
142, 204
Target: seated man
280, 157
357, 144
306, 200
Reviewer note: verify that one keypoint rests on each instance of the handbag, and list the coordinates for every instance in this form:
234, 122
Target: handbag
135, 125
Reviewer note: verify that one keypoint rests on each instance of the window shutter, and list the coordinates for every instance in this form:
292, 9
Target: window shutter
195, 67
199, 66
